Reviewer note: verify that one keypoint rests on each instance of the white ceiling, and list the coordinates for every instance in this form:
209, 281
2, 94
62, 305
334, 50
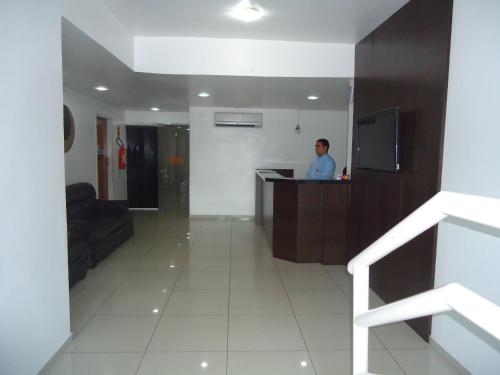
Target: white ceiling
332, 21
87, 64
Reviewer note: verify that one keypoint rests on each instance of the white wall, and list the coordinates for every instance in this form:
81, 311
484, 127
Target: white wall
223, 161
99, 23
242, 57
34, 303
81, 159
471, 165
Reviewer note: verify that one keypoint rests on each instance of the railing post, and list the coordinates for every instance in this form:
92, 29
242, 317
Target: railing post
361, 281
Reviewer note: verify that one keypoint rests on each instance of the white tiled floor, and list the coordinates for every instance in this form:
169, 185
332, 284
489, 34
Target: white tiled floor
219, 303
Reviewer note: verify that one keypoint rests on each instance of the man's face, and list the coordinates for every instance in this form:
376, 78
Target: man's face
320, 149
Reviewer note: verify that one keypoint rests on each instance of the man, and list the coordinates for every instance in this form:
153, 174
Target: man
323, 166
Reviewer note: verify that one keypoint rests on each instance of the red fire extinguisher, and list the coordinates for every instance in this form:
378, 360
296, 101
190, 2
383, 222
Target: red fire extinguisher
122, 151
122, 157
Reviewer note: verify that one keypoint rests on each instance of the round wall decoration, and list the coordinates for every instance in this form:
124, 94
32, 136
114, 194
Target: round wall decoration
69, 129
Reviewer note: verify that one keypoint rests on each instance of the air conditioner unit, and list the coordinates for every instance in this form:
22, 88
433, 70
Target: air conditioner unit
238, 119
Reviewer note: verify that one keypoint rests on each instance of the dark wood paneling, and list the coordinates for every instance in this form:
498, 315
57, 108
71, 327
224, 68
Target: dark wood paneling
310, 223
285, 221
403, 63
335, 204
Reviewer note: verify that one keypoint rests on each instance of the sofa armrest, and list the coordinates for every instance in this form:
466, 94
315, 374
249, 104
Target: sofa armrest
110, 208
78, 230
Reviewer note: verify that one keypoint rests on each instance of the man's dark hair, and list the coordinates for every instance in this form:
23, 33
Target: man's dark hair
324, 142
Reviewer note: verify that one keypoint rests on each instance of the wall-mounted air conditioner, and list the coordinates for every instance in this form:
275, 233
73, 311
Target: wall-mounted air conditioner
238, 119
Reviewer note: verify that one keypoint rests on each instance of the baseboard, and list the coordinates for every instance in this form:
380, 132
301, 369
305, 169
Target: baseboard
448, 357
224, 217
143, 209
56, 354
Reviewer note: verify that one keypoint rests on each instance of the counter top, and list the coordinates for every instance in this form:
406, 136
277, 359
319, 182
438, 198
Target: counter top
272, 176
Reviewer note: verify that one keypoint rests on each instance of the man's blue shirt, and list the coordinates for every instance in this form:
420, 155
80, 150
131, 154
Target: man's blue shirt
321, 168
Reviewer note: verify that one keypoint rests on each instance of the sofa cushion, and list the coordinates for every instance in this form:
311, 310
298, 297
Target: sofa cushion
80, 201
102, 227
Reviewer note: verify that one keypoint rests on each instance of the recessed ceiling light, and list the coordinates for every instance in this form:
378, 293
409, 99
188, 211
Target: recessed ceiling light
203, 94
204, 364
101, 88
303, 364
155, 108
247, 11
313, 97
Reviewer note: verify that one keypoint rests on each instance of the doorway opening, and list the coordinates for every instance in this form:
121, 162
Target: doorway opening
158, 167
173, 167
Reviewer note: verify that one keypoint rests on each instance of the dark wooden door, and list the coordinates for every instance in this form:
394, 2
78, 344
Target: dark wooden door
102, 159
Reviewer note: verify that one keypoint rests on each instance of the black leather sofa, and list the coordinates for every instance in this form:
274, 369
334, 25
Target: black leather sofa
78, 252
109, 223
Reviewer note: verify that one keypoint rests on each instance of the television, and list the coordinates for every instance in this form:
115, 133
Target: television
378, 141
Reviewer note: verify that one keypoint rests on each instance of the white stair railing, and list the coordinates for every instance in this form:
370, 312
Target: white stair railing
453, 296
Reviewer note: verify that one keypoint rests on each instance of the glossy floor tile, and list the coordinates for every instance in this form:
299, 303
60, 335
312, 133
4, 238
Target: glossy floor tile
150, 280
132, 302
307, 280
259, 302
198, 302
184, 363
256, 280
205, 296
88, 301
203, 280
424, 362
95, 364
270, 363
190, 333
340, 362
399, 336
206, 263
330, 332
114, 334
319, 301
264, 333
252, 264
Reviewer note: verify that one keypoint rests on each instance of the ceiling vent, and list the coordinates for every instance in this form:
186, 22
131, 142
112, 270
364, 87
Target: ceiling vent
238, 119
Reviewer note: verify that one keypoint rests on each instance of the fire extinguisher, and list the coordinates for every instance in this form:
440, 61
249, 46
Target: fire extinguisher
122, 152
122, 155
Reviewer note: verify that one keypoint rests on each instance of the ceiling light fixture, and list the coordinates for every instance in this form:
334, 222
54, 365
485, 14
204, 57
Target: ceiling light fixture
155, 108
247, 11
313, 97
101, 88
203, 94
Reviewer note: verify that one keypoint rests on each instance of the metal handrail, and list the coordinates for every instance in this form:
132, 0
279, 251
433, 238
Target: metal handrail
485, 314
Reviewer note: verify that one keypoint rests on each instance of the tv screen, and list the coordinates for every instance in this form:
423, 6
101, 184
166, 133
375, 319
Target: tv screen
378, 141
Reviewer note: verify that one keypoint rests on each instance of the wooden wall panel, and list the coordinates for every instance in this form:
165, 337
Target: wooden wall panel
310, 223
335, 204
285, 219
403, 63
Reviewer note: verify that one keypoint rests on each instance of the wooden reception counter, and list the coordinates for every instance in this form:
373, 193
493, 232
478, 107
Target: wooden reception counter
304, 220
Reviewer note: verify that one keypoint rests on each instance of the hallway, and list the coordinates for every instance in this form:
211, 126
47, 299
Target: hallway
193, 296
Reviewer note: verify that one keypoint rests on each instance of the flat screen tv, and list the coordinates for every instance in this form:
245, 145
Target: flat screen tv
378, 141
